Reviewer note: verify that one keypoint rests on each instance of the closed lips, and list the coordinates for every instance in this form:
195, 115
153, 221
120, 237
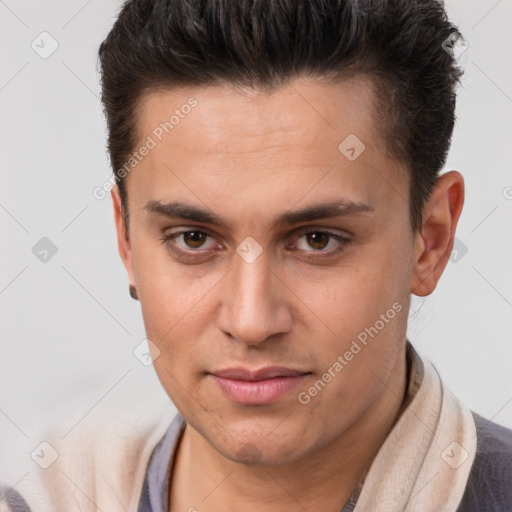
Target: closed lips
257, 387
256, 375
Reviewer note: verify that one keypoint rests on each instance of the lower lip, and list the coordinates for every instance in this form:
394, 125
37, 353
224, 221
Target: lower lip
259, 392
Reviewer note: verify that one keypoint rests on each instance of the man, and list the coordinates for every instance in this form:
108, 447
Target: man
277, 200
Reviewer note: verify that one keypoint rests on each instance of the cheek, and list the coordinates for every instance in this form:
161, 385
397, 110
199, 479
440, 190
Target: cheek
176, 323
179, 365
171, 294
176, 310
363, 308
342, 302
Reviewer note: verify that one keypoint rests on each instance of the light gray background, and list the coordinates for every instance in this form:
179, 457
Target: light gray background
69, 327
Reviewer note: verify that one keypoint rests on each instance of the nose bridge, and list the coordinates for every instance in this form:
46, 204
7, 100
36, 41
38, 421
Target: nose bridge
252, 283
252, 308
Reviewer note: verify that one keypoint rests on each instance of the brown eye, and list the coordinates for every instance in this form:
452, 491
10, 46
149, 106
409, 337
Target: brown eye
187, 242
318, 240
194, 239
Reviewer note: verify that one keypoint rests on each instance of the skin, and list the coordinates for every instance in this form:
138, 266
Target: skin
248, 157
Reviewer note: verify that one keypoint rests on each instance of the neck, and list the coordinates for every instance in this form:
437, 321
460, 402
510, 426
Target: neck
204, 479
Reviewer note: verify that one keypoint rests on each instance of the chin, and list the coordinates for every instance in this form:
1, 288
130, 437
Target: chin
260, 449
263, 439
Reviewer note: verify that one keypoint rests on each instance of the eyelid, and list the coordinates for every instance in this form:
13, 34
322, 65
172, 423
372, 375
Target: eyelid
320, 229
186, 229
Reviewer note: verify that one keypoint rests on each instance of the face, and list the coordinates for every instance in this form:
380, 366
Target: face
272, 254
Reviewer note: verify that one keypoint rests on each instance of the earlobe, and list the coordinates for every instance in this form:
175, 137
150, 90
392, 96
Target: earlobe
434, 244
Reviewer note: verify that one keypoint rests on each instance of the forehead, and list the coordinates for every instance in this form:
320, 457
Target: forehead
227, 140
301, 111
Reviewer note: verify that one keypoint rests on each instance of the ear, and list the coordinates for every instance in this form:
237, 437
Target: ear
434, 244
123, 243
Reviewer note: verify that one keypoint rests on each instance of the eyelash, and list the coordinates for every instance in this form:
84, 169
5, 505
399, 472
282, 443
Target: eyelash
167, 239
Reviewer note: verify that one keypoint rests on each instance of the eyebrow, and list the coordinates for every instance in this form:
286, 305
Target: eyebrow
340, 208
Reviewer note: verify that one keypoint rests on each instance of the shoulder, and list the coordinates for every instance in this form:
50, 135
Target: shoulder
489, 486
99, 465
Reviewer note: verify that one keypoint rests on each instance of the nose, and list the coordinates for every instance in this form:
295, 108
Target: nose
254, 303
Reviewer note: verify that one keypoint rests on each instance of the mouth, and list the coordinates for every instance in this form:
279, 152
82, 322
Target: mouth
257, 387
